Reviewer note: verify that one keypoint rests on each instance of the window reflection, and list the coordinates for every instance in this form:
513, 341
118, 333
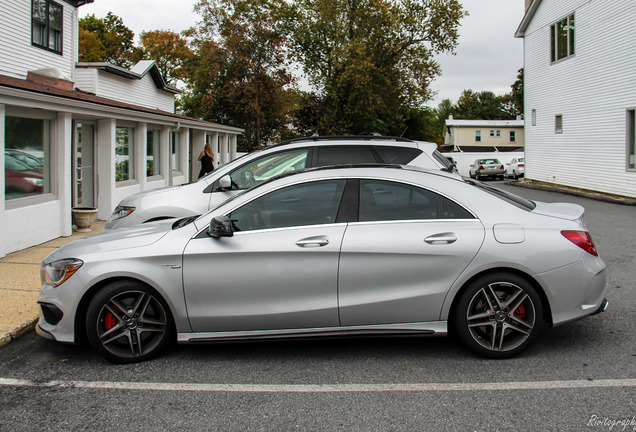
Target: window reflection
26, 157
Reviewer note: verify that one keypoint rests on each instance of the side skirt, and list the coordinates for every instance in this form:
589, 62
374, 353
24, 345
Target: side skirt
435, 328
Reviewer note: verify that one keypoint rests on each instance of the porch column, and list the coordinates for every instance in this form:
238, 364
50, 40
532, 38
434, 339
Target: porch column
184, 142
166, 155
224, 152
233, 147
106, 133
64, 170
214, 143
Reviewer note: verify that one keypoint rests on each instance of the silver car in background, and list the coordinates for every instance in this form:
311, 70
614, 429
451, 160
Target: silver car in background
486, 168
331, 251
209, 191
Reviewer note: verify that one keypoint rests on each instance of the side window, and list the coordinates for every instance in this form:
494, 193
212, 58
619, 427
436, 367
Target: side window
344, 155
263, 169
398, 155
383, 201
313, 203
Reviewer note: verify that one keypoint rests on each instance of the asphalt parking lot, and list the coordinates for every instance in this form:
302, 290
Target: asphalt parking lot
581, 376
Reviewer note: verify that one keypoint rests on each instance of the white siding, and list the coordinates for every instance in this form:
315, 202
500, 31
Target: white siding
18, 55
591, 90
142, 92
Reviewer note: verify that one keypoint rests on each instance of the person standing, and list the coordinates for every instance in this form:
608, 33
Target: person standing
207, 161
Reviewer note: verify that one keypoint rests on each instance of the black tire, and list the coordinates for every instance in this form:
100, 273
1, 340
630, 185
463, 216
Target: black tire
499, 315
128, 322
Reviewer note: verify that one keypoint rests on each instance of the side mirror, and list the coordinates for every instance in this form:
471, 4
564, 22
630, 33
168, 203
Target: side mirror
220, 226
225, 182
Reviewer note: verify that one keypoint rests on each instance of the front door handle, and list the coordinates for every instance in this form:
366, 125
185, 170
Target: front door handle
441, 238
317, 241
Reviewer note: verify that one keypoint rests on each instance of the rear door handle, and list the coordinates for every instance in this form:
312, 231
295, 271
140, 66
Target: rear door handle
317, 241
441, 238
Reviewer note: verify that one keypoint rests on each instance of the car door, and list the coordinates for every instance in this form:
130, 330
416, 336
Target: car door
399, 260
278, 270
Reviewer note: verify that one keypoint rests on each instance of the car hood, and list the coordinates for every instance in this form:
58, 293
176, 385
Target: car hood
118, 239
144, 194
561, 210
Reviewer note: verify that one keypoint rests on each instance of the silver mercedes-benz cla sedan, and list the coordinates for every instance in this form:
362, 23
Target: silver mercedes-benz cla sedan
351, 250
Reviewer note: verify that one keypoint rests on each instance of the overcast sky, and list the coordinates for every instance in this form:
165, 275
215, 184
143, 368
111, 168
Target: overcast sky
487, 58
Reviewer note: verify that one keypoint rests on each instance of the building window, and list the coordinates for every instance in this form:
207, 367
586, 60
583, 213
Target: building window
631, 139
175, 151
495, 133
534, 117
513, 136
562, 39
46, 25
558, 124
27, 164
153, 153
478, 136
124, 154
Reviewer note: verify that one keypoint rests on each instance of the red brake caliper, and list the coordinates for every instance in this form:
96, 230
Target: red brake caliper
109, 321
520, 312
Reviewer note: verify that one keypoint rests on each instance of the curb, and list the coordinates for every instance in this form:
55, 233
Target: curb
597, 197
18, 332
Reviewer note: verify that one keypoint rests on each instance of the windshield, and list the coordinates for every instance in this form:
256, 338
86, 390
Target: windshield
224, 167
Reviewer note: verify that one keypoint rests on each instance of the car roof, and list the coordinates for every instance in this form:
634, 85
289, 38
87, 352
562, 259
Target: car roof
350, 140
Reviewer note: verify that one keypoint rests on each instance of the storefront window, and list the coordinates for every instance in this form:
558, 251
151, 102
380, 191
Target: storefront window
153, 146
175, 143
27, 157
124, 161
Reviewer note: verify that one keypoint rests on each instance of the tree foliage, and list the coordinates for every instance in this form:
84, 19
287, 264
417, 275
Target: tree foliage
240, 75
170, 52
371, 61
111, 42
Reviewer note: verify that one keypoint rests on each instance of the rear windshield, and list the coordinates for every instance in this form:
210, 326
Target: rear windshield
513, 199
489, 161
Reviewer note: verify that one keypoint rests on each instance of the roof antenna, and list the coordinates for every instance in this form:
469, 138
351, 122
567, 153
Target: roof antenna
404, 131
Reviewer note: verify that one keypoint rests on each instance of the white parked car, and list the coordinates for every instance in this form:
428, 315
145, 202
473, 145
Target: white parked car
255, 168
515, 168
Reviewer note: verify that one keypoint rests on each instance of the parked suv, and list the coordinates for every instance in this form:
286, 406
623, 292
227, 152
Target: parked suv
257, 167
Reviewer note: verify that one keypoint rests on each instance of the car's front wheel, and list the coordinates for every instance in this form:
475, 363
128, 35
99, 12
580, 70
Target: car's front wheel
128, 322
499, 315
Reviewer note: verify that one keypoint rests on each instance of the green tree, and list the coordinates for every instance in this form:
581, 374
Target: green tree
170, 52
371, 61
240, 76
484, 105
516, 95
116, 41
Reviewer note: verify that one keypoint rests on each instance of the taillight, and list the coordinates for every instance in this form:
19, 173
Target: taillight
520, 165
501, 167
582, 239
481, 168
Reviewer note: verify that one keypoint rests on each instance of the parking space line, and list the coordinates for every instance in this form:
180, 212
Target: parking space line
323, 388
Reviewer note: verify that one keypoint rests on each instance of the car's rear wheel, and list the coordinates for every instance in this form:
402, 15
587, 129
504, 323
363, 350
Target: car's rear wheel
128, 322
499, 315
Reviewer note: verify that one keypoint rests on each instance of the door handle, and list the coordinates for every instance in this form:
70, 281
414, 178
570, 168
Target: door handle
441, 238
317, 241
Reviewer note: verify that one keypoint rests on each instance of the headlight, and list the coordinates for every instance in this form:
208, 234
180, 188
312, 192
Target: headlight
121, 211
57, 272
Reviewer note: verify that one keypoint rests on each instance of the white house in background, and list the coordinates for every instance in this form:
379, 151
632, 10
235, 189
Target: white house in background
483, 135
82, 134
580, 93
